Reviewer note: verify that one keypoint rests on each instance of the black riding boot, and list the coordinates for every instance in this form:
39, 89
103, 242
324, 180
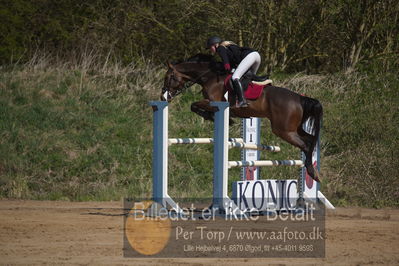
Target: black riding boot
242, 102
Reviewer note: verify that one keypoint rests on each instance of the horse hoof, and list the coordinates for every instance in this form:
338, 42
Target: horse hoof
316, 176
313, 173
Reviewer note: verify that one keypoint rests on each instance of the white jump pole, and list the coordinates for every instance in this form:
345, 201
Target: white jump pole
233, 143
265, 163
221, 200
200, 140
160, 156
254, 147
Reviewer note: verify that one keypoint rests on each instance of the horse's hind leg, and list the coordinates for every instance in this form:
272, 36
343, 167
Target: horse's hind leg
303, 143
310, 142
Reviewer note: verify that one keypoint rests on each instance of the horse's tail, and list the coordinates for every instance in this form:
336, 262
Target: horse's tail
313, 109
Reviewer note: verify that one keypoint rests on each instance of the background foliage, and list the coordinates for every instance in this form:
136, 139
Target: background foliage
313, 35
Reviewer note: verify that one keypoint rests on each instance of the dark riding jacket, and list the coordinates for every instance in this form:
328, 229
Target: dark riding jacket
232, 55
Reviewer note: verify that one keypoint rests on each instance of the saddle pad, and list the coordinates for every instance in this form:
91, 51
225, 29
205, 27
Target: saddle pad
252, 93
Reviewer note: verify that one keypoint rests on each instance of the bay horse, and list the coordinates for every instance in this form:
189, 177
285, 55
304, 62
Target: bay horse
286, 110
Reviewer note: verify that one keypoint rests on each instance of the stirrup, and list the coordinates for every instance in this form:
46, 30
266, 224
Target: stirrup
242, 104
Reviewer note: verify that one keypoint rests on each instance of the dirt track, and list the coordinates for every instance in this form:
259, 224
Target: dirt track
45, 232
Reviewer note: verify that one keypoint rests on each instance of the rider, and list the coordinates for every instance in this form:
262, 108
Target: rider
234, 56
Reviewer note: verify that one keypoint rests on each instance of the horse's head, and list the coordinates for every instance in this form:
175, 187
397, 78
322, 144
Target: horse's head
174, 83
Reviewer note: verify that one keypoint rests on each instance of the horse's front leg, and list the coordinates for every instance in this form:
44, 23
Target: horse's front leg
204, 109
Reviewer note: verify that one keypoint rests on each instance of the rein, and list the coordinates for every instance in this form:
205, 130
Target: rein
190, 83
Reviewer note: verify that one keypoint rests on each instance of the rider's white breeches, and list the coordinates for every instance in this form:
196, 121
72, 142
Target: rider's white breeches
251, 61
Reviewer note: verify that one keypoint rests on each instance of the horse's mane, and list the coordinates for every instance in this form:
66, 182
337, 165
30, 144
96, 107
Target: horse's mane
198, 58
205, 58
201, 58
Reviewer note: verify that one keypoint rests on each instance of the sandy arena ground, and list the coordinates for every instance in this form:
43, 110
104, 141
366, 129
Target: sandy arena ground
46, 232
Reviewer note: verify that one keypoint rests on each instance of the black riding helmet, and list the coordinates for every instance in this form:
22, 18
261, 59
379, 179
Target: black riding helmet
213, 40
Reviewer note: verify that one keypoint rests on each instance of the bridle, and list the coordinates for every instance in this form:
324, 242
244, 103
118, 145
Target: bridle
187, 84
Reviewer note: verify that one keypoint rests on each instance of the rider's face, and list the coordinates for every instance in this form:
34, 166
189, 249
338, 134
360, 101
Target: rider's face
213, 48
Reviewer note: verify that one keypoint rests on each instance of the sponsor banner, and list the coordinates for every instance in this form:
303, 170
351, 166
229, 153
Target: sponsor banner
263, 195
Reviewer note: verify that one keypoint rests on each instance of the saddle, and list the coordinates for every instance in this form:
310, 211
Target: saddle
253, 85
